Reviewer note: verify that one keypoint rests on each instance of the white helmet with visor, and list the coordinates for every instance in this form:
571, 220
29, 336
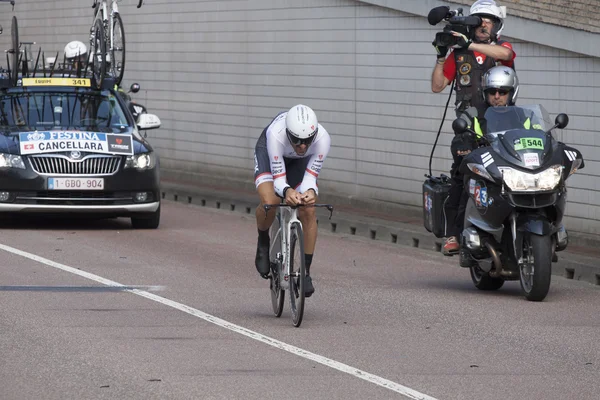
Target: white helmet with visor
301, 125
489, 9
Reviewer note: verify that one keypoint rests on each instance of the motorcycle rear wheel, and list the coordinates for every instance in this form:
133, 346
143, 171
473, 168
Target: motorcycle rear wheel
535, 274
483, 281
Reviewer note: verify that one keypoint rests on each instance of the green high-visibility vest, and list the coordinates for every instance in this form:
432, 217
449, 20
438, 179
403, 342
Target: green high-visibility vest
479, 132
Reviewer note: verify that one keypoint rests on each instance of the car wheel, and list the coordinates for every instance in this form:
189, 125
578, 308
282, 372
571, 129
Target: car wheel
147, 221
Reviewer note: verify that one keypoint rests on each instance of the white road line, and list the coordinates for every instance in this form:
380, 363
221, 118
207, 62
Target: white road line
393, 386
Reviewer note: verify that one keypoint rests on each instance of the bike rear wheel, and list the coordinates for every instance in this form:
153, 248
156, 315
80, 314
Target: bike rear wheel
297, 273
277, 293
98, 52
14, 52
117, 57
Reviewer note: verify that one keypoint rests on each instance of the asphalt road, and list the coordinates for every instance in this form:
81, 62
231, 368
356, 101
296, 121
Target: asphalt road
94, 309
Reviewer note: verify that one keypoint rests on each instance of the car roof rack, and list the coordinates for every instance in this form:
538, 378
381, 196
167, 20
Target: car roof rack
47, 70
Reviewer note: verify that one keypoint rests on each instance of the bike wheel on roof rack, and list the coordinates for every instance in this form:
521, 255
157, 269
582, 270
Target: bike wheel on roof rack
14, 52
117, 59
98, 52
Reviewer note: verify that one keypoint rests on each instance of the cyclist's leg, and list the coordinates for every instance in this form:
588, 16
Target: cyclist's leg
308, 217
263, 180
266, 194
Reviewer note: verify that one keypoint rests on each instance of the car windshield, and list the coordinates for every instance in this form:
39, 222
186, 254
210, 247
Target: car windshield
41, 110
502, 119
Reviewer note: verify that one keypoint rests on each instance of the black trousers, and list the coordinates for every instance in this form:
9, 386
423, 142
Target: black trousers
457, 201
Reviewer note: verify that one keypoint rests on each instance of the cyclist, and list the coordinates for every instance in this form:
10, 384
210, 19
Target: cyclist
75, 55
288, 158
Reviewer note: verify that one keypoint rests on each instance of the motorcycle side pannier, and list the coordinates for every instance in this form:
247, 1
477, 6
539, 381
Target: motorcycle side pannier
435, 195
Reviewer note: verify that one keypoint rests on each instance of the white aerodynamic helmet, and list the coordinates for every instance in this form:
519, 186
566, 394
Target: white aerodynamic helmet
301, 125
75, 49
489, 9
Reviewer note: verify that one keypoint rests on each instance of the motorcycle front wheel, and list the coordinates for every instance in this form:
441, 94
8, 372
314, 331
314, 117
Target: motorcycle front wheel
536, 271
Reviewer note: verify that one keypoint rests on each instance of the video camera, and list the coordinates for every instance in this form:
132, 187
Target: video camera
457, 23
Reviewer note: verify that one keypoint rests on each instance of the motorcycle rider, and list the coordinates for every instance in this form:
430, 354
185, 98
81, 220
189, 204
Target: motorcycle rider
288, 158
500, 87
466, 64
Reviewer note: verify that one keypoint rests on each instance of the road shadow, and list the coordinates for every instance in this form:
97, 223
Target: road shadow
62, 222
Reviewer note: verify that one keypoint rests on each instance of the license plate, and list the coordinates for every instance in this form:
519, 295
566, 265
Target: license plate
75, 183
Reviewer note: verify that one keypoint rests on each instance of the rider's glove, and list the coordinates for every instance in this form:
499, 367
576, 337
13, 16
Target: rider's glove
440, 50
463, 41
462, 142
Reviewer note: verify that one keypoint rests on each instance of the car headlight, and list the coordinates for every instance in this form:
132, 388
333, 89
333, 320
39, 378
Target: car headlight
11, 161
141, 161
519, 181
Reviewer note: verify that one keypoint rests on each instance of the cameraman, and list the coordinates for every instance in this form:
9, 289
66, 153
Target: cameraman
470, 59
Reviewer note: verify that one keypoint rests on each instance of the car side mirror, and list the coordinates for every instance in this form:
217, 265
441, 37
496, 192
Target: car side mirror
562, 120
135, 87
148, 121
459, 125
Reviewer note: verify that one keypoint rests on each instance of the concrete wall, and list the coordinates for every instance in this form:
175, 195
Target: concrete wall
216, 72
578, 14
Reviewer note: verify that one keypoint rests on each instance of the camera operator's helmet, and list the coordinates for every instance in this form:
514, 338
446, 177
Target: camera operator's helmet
504, 78
489, 9
301, 125
75, 50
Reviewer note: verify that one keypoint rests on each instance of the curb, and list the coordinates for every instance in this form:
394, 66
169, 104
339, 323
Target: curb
571, 265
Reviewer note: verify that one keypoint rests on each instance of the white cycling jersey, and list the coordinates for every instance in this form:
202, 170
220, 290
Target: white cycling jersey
279, 147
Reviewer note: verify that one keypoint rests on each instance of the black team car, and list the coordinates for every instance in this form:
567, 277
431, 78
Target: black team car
68, 147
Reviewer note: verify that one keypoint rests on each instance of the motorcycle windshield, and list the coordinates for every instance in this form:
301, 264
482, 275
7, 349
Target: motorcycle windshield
502, 119
518, 134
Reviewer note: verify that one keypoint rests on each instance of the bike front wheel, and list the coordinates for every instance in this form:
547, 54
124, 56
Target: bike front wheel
98, 52
297, 273
277, 293
117, 56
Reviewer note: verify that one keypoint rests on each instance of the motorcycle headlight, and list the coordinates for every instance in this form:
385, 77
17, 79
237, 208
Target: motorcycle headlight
520, 181
11, 161
141, 161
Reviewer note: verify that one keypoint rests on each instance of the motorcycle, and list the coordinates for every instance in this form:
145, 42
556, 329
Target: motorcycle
517, 198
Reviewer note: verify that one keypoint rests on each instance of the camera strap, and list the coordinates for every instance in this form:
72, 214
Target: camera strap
440, 130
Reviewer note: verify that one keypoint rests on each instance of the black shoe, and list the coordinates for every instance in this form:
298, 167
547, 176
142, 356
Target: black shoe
309, 289
263, 266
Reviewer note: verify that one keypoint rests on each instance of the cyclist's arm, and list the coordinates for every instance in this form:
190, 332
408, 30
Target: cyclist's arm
275, 150
319, 151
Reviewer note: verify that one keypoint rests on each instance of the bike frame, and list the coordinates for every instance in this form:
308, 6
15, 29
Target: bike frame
287, 216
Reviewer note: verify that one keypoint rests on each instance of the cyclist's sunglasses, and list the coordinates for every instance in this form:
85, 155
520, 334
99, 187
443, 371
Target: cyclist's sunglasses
503, 92
297, 141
